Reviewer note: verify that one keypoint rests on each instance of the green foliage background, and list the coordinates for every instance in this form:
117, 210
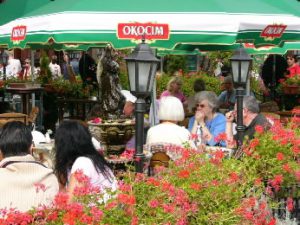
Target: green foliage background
211, 83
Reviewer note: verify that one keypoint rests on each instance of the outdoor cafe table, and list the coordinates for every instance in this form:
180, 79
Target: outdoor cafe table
26, 94
43, 153
77, 107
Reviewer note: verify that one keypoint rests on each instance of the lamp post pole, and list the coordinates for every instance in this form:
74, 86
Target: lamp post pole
139, 133
240, 128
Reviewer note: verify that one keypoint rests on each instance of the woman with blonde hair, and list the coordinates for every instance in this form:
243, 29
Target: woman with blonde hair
174, 89
168, 131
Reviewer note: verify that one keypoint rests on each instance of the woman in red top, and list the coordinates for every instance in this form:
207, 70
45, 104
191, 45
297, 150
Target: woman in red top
293, 66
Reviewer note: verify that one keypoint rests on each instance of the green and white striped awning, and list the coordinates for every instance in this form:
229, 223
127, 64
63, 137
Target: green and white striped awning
165, 24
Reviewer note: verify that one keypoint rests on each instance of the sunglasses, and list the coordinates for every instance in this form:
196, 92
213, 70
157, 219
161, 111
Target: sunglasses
200, 105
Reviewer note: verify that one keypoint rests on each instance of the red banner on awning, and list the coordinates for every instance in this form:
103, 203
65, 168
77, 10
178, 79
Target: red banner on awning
150, 31
273, 31
18, 33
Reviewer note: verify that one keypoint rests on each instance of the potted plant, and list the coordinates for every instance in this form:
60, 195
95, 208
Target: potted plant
21, 83
291, 85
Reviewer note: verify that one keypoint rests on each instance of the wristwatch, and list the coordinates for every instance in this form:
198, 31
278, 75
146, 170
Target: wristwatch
202, 125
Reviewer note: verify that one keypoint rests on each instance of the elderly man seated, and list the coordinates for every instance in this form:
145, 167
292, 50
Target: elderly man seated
251, 119
25, 182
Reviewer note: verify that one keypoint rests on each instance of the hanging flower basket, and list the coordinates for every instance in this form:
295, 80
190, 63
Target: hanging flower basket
291, 89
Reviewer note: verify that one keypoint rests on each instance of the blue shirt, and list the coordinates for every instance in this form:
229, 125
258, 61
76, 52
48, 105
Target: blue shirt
227, 97
215, 126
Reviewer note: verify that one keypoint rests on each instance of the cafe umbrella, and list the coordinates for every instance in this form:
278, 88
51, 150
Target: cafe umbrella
249, 47
13, 9
163, 24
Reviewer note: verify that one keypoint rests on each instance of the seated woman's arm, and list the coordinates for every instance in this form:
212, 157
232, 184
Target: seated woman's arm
217, 129
73, 183
230, 142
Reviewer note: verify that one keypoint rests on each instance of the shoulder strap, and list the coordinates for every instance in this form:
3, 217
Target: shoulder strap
11, 162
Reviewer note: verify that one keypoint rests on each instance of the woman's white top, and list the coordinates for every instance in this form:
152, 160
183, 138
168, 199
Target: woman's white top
96, 178
168, 133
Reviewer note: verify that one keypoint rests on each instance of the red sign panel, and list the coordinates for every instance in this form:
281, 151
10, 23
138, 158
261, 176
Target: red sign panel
249, 45
149, 31
18, 33
273, 31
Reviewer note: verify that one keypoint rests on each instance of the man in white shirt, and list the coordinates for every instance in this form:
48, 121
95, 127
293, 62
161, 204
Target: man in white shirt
14, 67
55, 68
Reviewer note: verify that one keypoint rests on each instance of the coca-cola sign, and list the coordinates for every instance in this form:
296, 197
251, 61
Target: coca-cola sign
273, 31
150, 31
18, 33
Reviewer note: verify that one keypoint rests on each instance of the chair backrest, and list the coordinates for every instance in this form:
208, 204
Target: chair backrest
271, 117
159, 159
7, 117
270, 106
33, 114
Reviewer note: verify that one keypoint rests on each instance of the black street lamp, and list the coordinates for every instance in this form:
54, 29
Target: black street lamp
141, 67
240, 65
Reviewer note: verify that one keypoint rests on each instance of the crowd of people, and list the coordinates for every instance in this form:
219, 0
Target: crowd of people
75, 152
207, 123
66, 68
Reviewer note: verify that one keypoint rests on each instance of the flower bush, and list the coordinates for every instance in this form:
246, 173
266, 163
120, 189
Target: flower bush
69, 89
211, 83
291, 80
198, 188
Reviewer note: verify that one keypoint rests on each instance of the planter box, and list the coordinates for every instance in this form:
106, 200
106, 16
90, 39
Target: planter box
24, 85
291, 90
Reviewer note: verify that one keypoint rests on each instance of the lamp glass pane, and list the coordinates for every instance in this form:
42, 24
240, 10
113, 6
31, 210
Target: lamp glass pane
131, 75
144, 73
235, 71
244, 71
153, 72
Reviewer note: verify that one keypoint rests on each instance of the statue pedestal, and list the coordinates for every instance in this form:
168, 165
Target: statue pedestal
113, 134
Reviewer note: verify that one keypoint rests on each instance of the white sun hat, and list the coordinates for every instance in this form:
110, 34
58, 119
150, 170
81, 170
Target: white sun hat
129, 97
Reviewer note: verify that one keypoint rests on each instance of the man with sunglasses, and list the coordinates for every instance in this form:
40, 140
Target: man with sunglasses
26, 70
251, 119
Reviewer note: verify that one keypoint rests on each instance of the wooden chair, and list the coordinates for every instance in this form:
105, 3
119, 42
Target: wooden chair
158, 159
7, 117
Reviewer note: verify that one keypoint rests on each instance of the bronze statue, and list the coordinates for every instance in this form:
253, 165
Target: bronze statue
111, 99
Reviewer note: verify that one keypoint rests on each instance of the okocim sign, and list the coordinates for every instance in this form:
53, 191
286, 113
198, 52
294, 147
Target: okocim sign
151, 31
273, 31
18, 33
